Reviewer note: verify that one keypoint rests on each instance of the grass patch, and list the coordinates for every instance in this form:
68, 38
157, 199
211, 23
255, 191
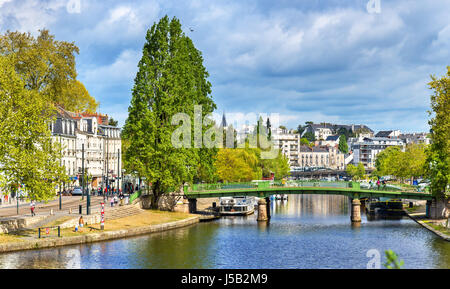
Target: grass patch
146, 218
58, 222
439, 227
7, 238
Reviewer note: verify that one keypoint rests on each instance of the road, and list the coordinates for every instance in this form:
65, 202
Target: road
71, 202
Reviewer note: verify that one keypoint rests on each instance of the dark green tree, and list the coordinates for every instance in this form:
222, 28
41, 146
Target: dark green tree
301, 129
171, 79
269, 129
310, 136
113, 122
343, 146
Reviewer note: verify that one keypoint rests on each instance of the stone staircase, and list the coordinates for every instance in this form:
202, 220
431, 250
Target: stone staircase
122, 212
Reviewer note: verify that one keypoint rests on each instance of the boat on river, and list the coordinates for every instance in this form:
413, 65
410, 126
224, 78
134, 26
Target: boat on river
384, 206
237, 206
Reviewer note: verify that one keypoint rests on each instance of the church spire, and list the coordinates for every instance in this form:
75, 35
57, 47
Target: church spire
224, 121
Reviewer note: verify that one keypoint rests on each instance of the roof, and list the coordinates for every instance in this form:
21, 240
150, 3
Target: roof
307, 149
336, 127
381, 139
333, 137
384, 133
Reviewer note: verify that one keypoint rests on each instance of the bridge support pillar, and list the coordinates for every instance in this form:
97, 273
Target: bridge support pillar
356, 211
439, 209
262, 211
192, 206
268, 207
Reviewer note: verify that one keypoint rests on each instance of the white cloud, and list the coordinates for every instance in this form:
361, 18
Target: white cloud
122, 70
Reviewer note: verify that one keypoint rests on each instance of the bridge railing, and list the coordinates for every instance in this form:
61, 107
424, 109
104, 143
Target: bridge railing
275, 184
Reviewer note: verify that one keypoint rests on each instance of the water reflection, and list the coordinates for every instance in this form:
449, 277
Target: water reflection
309, 231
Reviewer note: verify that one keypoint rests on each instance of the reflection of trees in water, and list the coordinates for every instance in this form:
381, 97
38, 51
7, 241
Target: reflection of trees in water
181, 248
38, 259
317, 205
441, 249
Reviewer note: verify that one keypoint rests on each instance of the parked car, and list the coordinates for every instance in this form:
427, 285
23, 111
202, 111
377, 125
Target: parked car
77, 192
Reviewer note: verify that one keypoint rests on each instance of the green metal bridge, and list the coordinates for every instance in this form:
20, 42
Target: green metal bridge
265, 189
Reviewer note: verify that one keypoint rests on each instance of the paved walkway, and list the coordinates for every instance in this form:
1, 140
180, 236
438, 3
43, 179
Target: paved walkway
42, 208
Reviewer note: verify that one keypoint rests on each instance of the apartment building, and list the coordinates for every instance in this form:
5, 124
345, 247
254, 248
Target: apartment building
365, 150
102, 145
289, 146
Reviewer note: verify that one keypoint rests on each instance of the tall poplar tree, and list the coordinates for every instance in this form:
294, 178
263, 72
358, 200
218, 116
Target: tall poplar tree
438, 154
171, 79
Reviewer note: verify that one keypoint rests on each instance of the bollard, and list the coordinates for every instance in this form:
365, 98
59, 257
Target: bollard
70, 211
39, 233
80, 209
51, 212
59, 231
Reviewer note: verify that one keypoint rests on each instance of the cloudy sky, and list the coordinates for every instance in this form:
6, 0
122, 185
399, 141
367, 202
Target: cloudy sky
307, 60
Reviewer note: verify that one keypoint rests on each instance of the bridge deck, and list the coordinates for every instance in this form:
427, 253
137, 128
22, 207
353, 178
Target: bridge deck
265, 192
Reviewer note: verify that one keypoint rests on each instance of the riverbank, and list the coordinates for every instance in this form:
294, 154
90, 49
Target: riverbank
417, 213
144, 223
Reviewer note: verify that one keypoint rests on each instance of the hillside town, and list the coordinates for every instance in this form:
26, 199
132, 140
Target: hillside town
317, 145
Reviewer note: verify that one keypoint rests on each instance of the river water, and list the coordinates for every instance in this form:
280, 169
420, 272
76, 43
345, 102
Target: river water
308, 231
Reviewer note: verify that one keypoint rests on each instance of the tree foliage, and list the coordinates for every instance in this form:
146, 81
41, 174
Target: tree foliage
438, 155
310, 136
343, 146
238, 165
246, 164
28, 156
357, 172
171, 79
48, 67
402, 165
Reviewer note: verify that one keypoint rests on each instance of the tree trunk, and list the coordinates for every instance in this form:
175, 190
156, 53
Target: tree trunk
156, 194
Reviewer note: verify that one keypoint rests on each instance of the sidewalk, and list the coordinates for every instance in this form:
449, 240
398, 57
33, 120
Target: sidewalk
418, 214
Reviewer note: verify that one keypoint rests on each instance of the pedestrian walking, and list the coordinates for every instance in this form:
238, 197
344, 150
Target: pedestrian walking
32, 207
112, 202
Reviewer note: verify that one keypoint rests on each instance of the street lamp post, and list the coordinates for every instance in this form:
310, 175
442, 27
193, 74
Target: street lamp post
82, 171
118, 170
60, 163
17, 199
107, 163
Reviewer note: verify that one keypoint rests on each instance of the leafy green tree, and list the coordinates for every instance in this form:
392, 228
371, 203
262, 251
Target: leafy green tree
415, 159
438, 154
238, 165
356, 173
27, 155
304, 141
351, 170
390, 161
310, 136
171, 79
343, 146
402, 165
360, 171
113, 122
48, 67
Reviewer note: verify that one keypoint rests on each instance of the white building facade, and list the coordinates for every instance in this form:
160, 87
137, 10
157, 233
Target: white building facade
100, 143
366, 150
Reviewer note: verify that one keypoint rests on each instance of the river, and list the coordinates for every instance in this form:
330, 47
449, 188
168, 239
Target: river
308, 231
